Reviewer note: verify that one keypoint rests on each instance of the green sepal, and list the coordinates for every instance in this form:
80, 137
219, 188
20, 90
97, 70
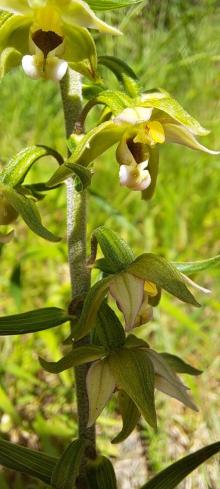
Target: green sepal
169, 106
14, 31
111, 4
197, 266
175, 473
80, 50
100, 474
67, 468
134, 373
109, 331
115, 100
30, 462
103, 265
16, 170
33, 321
92, 145
78, 356
153, 168
90, 309
156, 269
28, 211
179, 366
133, 341
10, 58
130, 417
116, 251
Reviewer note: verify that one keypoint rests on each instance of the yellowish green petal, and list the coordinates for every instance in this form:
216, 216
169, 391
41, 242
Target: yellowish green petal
181, 135
79, 12
15, 6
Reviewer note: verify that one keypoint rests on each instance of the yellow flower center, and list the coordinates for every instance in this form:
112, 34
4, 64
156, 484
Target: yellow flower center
48, 19
150, 288
151, 133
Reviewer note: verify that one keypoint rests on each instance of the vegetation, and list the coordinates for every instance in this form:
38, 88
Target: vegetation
172, 45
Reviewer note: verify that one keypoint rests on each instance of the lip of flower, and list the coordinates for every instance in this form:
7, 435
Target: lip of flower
49, 24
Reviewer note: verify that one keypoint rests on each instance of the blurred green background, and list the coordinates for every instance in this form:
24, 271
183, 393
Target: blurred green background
172, 44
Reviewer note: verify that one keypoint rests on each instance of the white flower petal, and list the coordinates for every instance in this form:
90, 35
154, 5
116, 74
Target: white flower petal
134, 116
55, 68
32, 67
134, 176
100, 386
128, 291
195, 285
171, 390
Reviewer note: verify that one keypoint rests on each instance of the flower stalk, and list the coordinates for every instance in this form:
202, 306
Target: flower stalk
76, 239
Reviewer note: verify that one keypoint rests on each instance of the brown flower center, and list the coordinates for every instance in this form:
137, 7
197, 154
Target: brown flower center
46, 41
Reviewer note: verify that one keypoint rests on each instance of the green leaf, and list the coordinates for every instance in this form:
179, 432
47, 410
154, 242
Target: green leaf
109, 330
198, 266
31, 462
32, 321
15, 171
117, 66
116, 251
156, 269
179, 366
134, 373
169, 106
130, 416
78, 356
91, 306
111, 4
28, 211
67, 468
92, 145
101, 474
153, 168
123, 73
84, 175
100, 387
175, 473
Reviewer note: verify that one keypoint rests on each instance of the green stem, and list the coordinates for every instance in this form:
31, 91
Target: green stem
76, 237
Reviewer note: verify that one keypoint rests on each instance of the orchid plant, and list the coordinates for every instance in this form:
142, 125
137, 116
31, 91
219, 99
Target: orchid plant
51, 39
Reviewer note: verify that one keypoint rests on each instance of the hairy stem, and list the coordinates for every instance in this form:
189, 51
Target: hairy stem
76, 237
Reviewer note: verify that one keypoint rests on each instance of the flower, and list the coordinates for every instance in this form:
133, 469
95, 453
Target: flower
144, 129
49, 34
138, 127
133, 296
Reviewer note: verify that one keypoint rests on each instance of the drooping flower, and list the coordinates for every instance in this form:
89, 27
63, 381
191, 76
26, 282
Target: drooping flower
138, 129
50, 34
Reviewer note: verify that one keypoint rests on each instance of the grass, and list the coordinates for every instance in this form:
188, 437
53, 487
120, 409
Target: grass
176, 48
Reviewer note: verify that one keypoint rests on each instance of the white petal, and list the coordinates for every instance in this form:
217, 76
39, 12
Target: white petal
195, 285
55, 68
100, 386
128, 291
134, 177
134, 115
32, 67
173, 391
